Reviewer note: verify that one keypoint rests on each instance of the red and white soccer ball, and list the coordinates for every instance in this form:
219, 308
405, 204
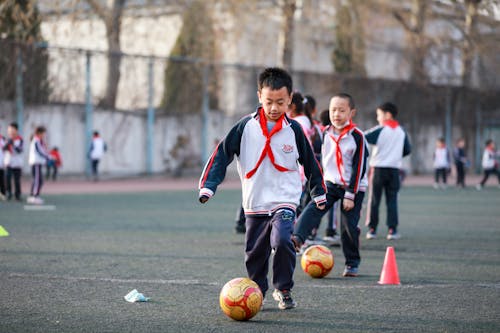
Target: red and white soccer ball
317, 261
240, 299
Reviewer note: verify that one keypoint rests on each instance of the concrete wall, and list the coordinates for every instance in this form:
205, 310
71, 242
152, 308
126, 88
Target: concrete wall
178, 141
125, 135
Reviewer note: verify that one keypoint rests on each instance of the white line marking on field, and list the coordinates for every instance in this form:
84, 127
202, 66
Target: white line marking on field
41, 207
406, 286
208, 283
114, 280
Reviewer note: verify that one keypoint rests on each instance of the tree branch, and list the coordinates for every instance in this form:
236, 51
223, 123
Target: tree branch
403, 22
98, 9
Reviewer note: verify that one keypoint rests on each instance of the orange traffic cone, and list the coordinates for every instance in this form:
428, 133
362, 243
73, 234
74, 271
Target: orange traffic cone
389, 273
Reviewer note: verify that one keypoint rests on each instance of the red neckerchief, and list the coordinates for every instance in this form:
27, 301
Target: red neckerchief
267, 148
338, 152
391, 123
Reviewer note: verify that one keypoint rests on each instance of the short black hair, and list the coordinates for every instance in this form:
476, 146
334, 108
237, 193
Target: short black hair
389, 107
15, 125
348, 97
488, 142
40, 130
441, 139
324, 118
275, 78
96, 133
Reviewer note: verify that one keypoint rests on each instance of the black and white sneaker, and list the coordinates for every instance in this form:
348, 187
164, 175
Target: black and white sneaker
371, 234
284, 299
393, 234
350, 271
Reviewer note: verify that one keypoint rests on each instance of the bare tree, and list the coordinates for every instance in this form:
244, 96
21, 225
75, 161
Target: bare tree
470, 37
414, 25
111, 16
349, 53
194, 49
286, 38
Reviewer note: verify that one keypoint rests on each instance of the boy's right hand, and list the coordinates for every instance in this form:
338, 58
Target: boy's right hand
320, 206
203, 198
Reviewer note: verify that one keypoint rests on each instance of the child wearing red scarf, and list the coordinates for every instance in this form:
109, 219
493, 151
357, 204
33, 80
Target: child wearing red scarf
344, 154
391, 144
269, 148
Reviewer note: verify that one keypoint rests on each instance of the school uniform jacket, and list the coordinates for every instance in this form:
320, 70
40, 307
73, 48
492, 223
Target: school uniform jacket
391, 145
489, 159
37, 153
97, 148
13, 152
2, 144
344, 160
441, 158
269, 171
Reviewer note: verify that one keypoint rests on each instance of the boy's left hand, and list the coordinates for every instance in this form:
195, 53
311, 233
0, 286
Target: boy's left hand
347, 204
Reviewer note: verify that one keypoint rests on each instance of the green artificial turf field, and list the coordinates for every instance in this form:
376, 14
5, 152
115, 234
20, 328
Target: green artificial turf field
68, 269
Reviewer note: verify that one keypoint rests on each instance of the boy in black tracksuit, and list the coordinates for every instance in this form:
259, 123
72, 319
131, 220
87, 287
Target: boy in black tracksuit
268, 147
461, 161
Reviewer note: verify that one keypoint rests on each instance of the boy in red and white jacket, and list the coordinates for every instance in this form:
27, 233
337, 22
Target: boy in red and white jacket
390, 144
343, 155
268, 147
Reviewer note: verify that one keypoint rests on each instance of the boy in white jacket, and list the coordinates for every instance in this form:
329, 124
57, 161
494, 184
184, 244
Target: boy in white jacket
269, 147
38, 157
489, 163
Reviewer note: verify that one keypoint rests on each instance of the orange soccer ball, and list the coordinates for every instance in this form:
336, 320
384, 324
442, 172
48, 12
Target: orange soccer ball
317, 261
240, 299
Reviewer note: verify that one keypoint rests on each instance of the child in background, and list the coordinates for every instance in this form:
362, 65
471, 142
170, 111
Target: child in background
38, 156
269, 148
2, 169
391, 144
297, 113
315, 136
441, 160
97, 149
489, 163
13, 159
54, 164
344, 155
461, 162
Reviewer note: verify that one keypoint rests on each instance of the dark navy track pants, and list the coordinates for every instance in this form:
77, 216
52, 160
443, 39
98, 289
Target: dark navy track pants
264, 233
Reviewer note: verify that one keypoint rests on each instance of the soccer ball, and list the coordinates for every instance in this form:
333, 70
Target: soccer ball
240, 299
317, 261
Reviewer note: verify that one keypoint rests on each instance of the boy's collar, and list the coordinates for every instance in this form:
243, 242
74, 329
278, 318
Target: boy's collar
392, 123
